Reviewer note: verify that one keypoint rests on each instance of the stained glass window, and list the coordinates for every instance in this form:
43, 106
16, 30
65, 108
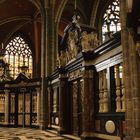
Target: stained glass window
18, 54
111, 19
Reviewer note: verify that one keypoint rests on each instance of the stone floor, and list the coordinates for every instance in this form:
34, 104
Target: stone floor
32, 134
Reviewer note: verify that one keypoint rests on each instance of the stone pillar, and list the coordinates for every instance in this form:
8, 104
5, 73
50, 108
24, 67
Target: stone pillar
62, 93
38, 105
118, 98
88, 105
127, 74
43, 106
135, 89
45, 70
131, 76
37, 52
48, 56
105, 95
7, 105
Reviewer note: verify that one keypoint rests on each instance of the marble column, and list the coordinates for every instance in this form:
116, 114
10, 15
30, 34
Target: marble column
123, 91
38, 105
88, 105
7, 105
118, 94
105, 95
62, 92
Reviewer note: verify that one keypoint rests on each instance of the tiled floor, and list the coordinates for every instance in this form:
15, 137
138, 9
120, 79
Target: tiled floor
32, 134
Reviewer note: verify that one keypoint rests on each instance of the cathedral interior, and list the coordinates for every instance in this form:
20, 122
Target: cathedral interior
72, 66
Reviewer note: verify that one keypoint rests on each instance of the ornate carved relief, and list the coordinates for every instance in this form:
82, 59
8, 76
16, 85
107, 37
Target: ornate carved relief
89, 41
75, 74
75, 106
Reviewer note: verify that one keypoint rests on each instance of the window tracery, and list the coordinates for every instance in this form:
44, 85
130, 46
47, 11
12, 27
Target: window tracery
18, 54
111, 19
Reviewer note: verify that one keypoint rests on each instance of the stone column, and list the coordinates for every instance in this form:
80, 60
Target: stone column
38, 105
88, 105
131, 76
7, 105
123, 91
118, 98
37, 52
127, 74
135, 89
62, 93
45, 70
105, 95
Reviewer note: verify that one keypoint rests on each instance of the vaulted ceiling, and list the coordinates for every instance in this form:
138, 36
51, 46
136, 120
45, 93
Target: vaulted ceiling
21, 16
16, 16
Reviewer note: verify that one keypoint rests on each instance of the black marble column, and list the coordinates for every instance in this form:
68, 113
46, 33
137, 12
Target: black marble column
88, 105
62, 104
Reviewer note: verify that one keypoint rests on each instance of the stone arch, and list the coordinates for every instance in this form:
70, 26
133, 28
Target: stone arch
60, 10
94, 12
57, 21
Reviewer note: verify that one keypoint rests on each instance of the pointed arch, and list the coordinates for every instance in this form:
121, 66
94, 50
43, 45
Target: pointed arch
18, 54
111, 19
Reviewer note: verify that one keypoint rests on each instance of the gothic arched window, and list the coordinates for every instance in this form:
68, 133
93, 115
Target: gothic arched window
18, 54
111, 19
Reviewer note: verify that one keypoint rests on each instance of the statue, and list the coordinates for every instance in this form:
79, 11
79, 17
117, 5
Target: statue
62, 58
70, 40
85, 42
72, 47
93, 40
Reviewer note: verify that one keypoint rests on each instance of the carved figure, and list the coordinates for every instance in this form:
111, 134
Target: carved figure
93, 40
72, 48
62, 58
75, 29
85, 42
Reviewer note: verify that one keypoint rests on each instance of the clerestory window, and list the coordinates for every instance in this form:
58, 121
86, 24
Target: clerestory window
111, 19
18, 54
